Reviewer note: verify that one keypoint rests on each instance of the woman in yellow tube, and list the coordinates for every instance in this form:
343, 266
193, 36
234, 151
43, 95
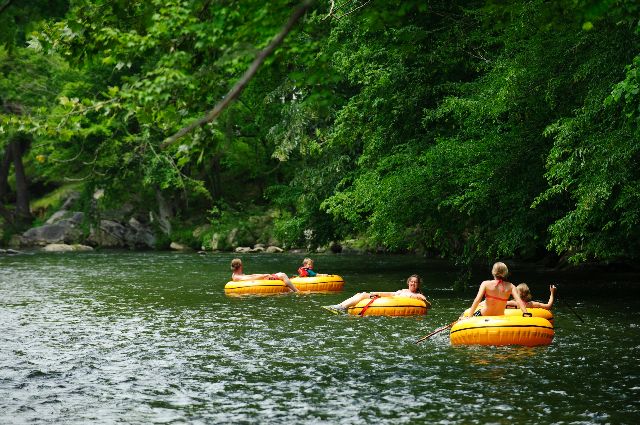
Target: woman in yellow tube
496, 293
412, 291
237, 274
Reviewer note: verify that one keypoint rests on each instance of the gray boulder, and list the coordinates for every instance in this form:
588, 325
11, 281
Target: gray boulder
64, 229
110, 234
139, 235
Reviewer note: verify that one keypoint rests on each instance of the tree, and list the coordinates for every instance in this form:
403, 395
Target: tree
22, 89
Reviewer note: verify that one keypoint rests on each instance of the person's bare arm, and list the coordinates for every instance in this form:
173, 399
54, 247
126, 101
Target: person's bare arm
477, 300
383, 294
516, 296
419, 296
512, 304
242, 277
549, 304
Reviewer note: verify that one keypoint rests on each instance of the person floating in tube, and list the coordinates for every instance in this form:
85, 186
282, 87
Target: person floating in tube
496, 293
238, 275
412, 291
525, 295
307, 269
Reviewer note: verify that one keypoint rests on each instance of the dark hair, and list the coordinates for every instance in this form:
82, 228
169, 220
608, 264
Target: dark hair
419, 291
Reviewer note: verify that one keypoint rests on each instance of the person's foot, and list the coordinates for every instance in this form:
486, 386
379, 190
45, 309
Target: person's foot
335, 309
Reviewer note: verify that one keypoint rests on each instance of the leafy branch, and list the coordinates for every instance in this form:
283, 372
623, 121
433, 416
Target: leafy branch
5, 5
248, 75
333, 9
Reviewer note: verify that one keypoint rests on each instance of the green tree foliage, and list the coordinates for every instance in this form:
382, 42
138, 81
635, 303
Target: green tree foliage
474, 130
150, 68
28, 83
593, 163
462, 114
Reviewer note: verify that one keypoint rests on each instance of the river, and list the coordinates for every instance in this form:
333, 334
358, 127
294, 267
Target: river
136, 338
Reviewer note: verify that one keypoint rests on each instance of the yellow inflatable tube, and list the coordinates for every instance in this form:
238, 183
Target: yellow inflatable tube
258, 287
329, 283
390, 306
502, 330
535, 312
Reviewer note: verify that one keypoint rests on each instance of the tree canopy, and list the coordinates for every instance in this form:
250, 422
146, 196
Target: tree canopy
471, 130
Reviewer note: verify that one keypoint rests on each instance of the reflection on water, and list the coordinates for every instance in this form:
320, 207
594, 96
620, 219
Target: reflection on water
150, 337
487, 356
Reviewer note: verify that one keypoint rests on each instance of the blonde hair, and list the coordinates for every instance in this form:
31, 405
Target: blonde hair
307, 261
525, 293
236, 263
500, 270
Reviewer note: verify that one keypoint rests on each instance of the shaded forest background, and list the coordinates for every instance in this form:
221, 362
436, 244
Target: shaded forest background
462, 129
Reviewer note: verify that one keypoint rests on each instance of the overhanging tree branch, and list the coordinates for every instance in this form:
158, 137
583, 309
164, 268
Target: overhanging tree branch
4, 5
248, 75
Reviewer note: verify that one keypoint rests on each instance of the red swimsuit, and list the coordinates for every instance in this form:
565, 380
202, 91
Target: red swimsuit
496, 298
479, 312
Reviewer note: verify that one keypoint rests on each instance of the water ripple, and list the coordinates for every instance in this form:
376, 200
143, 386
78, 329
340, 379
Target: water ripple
151, 338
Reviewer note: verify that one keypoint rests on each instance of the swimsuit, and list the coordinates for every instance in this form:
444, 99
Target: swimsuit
496, 298
487, 296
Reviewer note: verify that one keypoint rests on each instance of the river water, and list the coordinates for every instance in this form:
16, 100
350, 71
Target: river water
151, 338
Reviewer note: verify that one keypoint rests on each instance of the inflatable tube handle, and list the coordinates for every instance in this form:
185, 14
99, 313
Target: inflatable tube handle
366, 307
527, 315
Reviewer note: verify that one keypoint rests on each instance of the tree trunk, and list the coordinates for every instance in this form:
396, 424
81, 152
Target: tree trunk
165, 213
216, 186
19, 147
4, 173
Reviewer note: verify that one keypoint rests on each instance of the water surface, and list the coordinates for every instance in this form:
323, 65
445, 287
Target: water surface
151, 338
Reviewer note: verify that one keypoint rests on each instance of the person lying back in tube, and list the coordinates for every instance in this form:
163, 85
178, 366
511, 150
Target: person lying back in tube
238, 275
412, 291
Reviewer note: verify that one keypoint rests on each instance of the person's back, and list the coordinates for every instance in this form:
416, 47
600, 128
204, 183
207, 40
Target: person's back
496, 293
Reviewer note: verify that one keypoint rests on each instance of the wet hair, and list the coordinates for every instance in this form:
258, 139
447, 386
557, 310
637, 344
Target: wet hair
419, 290
500, 270
236, 263
524, 292
307, 261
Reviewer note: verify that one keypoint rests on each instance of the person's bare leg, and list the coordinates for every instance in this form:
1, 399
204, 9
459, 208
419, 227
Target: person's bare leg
344, 305
354, 299
287, 282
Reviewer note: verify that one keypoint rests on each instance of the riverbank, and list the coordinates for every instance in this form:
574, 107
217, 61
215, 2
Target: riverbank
574, 282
